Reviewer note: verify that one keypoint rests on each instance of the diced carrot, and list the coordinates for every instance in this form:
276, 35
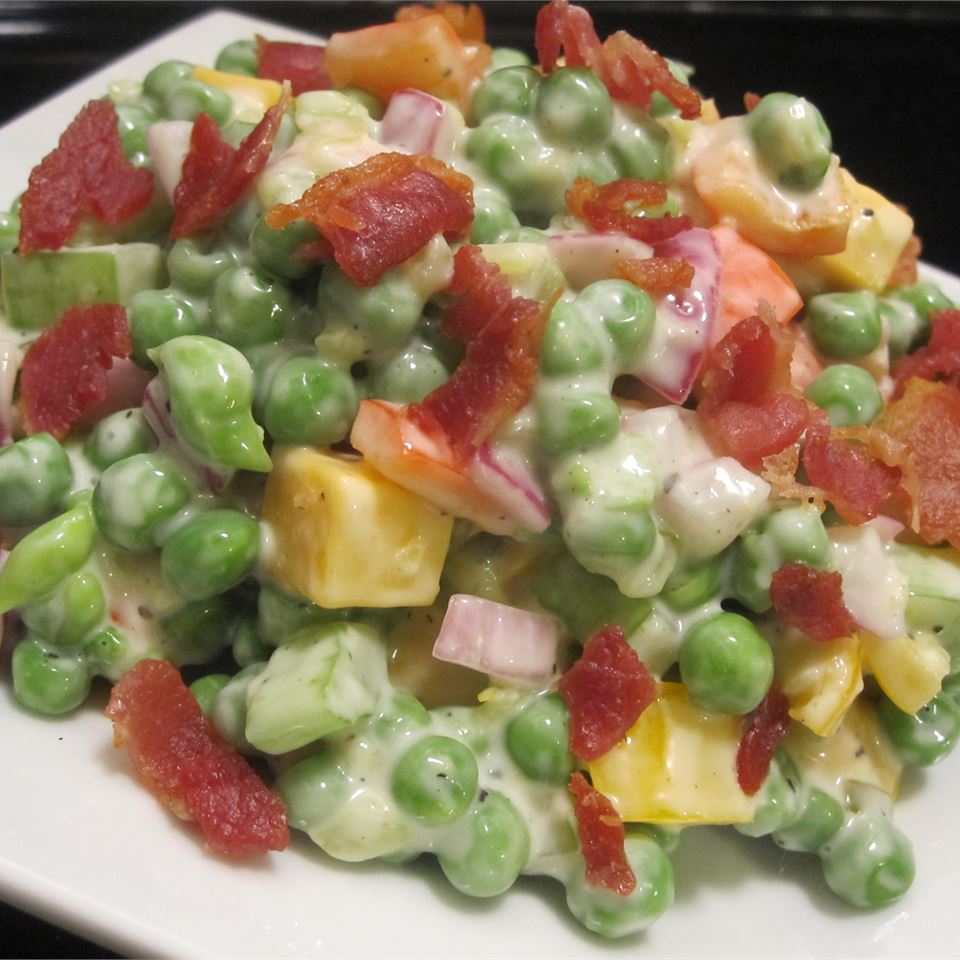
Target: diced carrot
425, 53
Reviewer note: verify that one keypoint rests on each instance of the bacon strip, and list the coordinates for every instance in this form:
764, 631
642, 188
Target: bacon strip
503, 334
939, 359
657, 274
766, 727
86, 175
379, 213
602, 836
811, 601
215, 175
179, 756
606, 690
302, 65
65, 369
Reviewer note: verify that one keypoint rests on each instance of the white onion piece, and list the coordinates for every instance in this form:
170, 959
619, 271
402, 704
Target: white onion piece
168, 142
507, 478
499, 640
585, 258
681, 333
416, 122
11, 356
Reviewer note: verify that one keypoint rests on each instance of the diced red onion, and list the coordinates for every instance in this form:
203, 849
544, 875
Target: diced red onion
11, 356
419, 123
499, 640
506, 477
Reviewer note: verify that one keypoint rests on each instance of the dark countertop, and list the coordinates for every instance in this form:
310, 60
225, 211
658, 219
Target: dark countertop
885, 75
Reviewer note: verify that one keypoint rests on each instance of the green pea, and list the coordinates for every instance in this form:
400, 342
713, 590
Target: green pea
241, 57
132, 121
47, 555
189, 98
597, 165
9, 231
925, 297
108, 652
848, 394
312, 789
279, 615
612, 915
435, 780
844, 325
156, 316
570, 343
820, 818
211, 396
247, 645
778, 802
508, 57
925, 737
310, 401
229, 713
726, 664
163, 77
276, 250
498, 851
869, 862
692, 585
612, 533
493, 217
366, 100
510, 89
206, 689
574, 108
69, 613
408, 376
135, 496
250, 307
905, 327
48, 683
576, 421
35, 477
792, 140
538, 739
199, 631
118, 436
403, 714
210, 553
626, 312
641, 149
195, 263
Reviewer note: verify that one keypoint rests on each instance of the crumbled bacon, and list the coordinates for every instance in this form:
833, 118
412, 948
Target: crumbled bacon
179, 756
64, 371
939, 359
606, 690
302, 65
86, 175
657, 274
215, 175
811, 601
855, 482
494, 380
629, 69
466, 19
744, 398
765, 728
379, 213
904, 271
602, 836
927, 420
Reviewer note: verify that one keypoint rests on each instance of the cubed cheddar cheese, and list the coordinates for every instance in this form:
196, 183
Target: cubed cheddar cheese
344, 535
251, 96
908, 669
677, 764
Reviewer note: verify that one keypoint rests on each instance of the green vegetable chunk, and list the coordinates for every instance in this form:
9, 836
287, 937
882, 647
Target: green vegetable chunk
206, 689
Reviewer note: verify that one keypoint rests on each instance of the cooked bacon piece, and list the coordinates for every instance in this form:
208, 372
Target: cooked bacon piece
65, 369
181, 759
379, 213
904, 271
605, 691
750, 100
742, 401
466, 19
611, 208
86, 175
215, 175
303, 65
927, 420
494, 380
657, 274
766, 727
856, 483
602, 836
939, 359
629, 69
811, 601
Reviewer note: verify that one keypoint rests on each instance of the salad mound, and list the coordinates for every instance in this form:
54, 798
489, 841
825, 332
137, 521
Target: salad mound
518, 462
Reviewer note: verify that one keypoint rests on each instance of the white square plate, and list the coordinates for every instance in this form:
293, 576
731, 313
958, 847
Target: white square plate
84, 846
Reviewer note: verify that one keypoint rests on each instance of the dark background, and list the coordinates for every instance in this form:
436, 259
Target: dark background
885, 75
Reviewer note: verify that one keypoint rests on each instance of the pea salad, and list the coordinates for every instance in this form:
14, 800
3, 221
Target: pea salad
502, 458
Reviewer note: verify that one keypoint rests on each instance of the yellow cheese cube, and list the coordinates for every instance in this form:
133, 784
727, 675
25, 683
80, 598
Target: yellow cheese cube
677, 764
908, 669
820, 680
251, 96
878, 233
344, 535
